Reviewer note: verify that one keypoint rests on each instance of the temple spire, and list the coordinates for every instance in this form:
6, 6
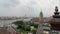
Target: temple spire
40, 27
56, 11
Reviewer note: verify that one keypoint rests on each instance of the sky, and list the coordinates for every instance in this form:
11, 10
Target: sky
29, 8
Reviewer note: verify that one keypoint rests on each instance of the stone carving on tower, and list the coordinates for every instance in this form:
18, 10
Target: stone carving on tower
55, 21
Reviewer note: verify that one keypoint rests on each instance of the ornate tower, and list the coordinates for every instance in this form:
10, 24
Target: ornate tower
40, 27
55, 21
56, 13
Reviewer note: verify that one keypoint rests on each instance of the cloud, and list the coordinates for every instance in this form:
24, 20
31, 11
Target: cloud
28, 7
9, 3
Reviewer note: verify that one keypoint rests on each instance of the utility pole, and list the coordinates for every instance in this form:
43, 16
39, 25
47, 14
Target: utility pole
40, 27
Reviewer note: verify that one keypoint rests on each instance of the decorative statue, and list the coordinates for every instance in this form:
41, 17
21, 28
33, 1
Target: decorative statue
56, 9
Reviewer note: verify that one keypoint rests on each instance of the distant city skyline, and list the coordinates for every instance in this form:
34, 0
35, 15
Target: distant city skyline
29, 8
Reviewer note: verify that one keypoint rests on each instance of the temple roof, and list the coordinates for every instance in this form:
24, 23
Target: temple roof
56, 17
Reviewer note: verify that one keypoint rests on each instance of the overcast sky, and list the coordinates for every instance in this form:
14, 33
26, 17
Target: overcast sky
28, 7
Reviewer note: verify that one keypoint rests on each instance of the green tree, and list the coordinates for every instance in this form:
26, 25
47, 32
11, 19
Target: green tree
36, 25
34, 31
19, 23
32, 24
27, 28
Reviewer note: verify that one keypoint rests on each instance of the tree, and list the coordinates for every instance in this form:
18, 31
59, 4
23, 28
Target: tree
36, 25
19, 24
32, 24
34, 31
22, 25
27, 28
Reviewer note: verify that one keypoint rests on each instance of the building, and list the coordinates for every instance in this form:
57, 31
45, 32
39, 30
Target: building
35, 20
55, 21
7, 31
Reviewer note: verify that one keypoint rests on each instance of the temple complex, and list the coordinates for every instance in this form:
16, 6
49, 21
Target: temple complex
55, 21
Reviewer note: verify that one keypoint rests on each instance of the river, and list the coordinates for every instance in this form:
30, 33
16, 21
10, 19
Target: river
5, 22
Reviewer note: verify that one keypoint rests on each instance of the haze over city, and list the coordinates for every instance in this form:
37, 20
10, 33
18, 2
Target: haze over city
28, 7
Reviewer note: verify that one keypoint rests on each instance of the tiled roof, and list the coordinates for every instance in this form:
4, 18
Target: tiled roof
7, 31
4, 31
36, 19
